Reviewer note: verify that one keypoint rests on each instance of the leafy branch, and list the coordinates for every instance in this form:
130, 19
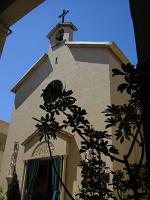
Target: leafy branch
127, 123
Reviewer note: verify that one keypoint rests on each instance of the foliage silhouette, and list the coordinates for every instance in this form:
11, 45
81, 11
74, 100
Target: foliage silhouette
13, 192
131, 182
2, 196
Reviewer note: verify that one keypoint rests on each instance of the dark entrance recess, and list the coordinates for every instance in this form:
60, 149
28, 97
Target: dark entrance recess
41, 182
41, 187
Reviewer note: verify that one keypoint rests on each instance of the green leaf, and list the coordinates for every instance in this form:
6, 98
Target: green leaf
113, 150
122, 140
108, 126
68, 93
129, 90
73, 130
80, 126
57, 112
124, 67
47, 116
42, 107
117, 72
36, 119
122, 87
65, 122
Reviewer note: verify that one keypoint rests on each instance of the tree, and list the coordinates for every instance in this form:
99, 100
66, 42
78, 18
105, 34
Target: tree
132, 181
141, 22
13, 192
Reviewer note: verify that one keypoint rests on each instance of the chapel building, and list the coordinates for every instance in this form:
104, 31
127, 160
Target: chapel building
85, 68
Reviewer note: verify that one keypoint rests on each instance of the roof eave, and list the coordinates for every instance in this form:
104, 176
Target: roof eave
28, 74
14, 10
111, 45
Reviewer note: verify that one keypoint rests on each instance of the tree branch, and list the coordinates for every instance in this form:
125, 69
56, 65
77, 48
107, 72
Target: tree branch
69, 194
142, 156
134, 140
132, 180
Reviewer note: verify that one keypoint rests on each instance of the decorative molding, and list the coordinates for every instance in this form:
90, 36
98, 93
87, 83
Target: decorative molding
42, 150
66, 134
12, 167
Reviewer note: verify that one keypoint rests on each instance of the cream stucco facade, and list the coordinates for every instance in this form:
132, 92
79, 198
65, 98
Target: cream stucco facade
3, 136
85, 68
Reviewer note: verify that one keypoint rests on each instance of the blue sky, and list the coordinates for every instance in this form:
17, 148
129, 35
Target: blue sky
97, 20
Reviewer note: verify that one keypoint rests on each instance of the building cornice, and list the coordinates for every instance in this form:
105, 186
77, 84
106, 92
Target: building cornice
110, 45
68, 24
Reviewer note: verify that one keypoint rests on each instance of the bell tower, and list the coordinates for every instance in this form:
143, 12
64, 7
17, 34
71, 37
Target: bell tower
62, 31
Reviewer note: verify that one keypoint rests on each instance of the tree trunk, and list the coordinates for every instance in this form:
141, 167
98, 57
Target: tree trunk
140, 13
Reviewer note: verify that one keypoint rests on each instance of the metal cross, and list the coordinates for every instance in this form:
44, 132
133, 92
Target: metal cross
63, 15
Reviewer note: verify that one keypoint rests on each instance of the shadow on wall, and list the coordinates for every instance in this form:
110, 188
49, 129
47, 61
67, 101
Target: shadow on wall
90, 55
32, 82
